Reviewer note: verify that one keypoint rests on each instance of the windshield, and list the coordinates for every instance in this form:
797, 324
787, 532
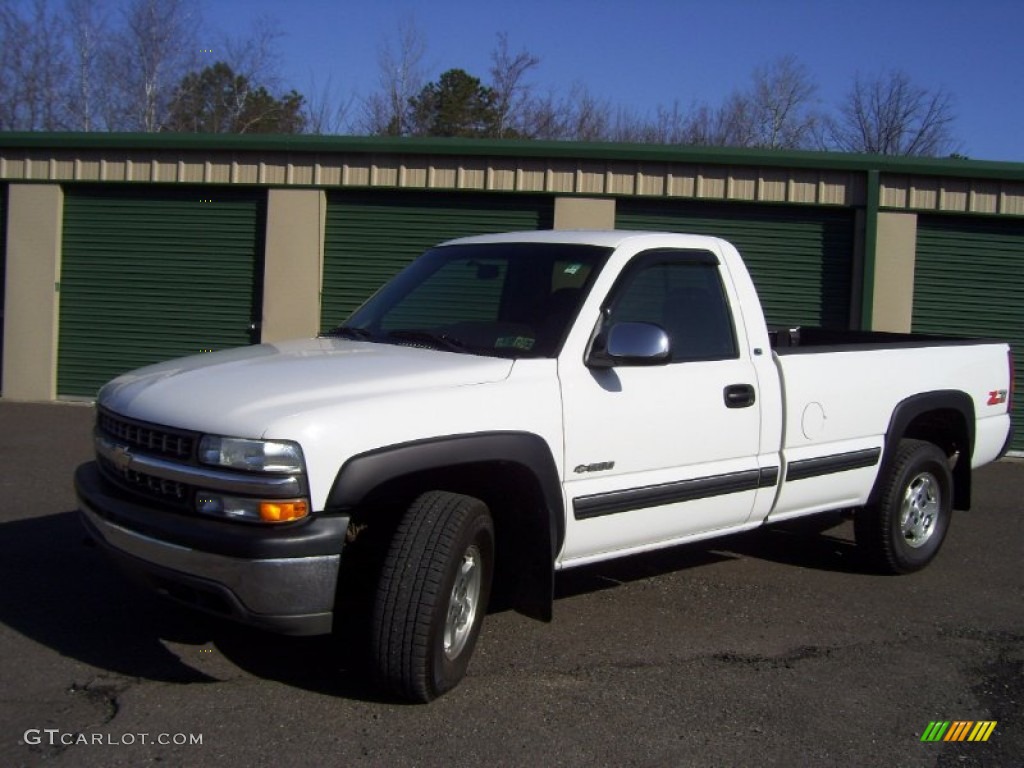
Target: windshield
502, 299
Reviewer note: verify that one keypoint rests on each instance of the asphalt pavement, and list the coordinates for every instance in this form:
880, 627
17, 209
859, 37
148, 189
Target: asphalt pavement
769, 649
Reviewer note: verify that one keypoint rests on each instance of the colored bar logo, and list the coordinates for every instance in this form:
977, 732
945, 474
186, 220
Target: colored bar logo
959, 730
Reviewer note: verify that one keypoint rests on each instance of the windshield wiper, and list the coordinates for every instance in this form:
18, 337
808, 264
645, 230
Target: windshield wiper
348, 332
434, 338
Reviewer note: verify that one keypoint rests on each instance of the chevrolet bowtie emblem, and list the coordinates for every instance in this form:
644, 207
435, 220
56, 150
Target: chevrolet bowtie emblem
122, 458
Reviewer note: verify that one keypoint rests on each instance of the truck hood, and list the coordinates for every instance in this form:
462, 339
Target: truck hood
242, 392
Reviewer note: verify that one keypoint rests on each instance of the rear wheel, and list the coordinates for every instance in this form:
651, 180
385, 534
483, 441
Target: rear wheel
905, 529
433, 594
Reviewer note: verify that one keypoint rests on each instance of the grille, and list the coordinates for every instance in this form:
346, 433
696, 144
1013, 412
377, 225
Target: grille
148, 437
169, 491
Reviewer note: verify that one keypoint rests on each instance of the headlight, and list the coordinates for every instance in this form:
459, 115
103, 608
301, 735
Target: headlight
251, 455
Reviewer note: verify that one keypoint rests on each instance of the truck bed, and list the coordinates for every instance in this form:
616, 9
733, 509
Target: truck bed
795, 340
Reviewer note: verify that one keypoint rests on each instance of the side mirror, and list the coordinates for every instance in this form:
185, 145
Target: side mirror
631, 344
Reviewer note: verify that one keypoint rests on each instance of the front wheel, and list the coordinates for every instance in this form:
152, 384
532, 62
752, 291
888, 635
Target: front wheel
905, 529
433, 594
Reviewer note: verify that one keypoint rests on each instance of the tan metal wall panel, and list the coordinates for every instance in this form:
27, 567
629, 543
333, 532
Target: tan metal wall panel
444, 174
561, 177
984, 197
1011, 200
355, 174
531, 176
834, 189
954, 194
711, 183
773, 186
384, 173
563, 174
742, 184
621, 182
682, 182
413, 173
68, 168
502, 176
803, 187
924, 193
651, 179
475, 174
894, 192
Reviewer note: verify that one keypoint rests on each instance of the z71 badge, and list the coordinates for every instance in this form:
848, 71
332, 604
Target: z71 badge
997, 397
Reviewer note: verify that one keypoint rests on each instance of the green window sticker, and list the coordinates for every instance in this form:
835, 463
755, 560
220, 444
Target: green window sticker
572, 269
524, 343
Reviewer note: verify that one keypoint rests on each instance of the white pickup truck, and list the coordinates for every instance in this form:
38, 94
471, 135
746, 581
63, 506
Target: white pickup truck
513, 405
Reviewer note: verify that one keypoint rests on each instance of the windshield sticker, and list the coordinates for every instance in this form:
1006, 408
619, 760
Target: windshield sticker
572, 269
515, 342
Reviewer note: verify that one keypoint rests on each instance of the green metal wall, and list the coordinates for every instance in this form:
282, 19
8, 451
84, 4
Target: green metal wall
969, 281
371, 236
801, 258
152, 274
3, 272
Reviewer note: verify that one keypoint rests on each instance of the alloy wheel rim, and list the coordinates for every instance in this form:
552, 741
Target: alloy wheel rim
919, 511
463, 603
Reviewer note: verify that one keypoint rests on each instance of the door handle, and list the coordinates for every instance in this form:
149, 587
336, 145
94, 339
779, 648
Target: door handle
739, 396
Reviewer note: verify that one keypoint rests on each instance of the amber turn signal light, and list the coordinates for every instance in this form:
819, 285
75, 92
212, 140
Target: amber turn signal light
282, 511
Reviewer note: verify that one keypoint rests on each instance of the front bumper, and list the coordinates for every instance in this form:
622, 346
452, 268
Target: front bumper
281, 578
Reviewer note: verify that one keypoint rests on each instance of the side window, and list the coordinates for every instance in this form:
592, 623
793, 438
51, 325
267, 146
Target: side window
686, 298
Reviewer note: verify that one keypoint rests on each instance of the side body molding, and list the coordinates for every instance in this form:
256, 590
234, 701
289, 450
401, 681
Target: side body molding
910, 418
513, 466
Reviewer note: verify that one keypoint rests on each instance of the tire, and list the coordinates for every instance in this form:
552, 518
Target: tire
432, 595
904, 531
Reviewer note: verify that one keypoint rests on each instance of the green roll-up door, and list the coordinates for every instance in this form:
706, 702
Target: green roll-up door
149, 275
969, 281
799, 257
371, 236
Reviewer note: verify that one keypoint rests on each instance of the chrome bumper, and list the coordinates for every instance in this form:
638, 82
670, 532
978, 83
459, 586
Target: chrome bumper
293, 595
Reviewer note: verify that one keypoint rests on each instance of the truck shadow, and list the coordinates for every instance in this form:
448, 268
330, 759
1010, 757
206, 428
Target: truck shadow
62, 593
821, 542
66, 596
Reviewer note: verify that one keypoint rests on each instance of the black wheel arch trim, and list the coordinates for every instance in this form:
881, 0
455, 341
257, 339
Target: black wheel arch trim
917, 405
362, 474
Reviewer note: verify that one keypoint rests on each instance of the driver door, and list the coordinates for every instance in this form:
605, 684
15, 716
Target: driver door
662, 452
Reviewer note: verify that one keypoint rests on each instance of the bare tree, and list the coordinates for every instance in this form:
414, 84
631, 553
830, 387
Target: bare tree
508, 73
14, 39
890, 115
33, 69
238, 90
775, 112
255, 55
579, 116
781, 105
327, 111
728, 125
387, 111
151, 54
669, 125
545, 117
89, 35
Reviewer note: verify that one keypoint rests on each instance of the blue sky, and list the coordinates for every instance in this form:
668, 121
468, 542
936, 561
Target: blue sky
642, 53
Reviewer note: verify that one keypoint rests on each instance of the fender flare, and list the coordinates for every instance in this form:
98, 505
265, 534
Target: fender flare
361, 474
914, 406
